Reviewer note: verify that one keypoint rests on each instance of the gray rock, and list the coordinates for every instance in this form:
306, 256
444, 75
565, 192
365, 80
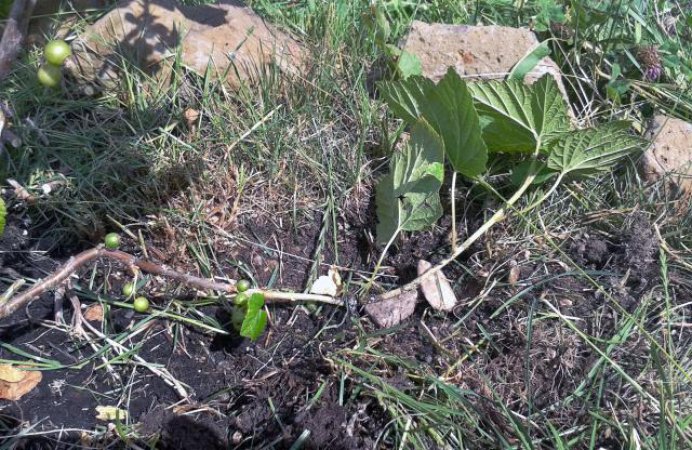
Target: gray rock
475, 52
230, 39
670, 153
391, 311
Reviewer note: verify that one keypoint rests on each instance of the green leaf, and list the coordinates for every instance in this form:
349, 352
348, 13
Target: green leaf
550, 113
506, 115
408, 65
514, 117
406, 97
255, 321
448, 108
548, 11
3, 216
529, 61
452, 114
408, 197
588, 152
521, 171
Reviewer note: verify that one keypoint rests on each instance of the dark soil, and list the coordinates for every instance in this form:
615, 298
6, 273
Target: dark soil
268, 393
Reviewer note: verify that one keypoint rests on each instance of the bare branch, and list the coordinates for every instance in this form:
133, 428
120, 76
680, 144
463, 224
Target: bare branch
54, 280
74, 263
15, 33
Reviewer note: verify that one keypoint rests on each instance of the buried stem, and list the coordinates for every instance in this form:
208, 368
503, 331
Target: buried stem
375, 271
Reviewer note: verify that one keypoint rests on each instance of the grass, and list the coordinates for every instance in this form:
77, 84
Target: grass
568, 358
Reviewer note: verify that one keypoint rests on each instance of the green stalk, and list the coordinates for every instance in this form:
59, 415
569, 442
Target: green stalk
496, 218
454, 212
371, 280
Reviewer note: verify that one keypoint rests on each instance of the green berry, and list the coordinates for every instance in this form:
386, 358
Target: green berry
242, 285
240, 299
56, 52
49, 75
128, 289
112, 241
237, 317
141, 304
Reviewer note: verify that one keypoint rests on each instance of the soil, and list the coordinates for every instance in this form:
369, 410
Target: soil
268, 393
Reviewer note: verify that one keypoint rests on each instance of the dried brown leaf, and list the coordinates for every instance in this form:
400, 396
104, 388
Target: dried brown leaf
513, 276
11, 374
94, 313
436, 288
110, 413
15, 382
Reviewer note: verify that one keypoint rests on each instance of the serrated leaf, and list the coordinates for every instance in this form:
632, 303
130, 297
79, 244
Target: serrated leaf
506, 115
255, 321
588, 152
521, 171
406, 97
514, 116
448, 108
549, 108
3, 216
451, 113
408, 196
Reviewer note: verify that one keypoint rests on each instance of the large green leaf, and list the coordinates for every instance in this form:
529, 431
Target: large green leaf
407, 97
550, 112
514, 116
588, 152
448, 108
408, 197
3, 216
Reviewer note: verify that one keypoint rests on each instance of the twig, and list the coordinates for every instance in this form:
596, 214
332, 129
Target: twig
163, 373
77, 321
666, 248
294, 297
54, 280
15, 33
58, 302
77, 261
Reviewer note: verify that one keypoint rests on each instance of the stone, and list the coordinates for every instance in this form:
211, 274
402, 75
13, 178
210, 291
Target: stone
670, 153
386, 312
475, 52
226, 38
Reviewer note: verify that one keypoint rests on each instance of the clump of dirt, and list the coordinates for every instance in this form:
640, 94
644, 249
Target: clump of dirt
640, 246
633, 248
590, 251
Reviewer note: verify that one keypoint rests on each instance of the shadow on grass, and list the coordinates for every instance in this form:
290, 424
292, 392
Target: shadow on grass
88, 162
